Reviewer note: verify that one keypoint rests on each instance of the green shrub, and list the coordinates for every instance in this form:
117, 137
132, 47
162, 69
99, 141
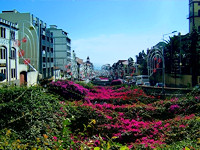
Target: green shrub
29, 112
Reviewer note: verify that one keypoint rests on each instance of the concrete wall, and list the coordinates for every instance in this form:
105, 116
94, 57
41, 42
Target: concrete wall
32, 78
182, 81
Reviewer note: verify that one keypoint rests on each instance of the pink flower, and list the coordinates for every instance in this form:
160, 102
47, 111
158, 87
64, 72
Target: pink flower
182, 126
55, 138
174, 107
109, 117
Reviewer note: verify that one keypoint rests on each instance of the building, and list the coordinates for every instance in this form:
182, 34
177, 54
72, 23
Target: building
9, 60
194, 15
87, 69
62, 49
79, 63
35, 42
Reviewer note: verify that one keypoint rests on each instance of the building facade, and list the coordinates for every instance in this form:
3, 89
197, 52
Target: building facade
35, 42
194, 15
9, 60
87, 69
62, 49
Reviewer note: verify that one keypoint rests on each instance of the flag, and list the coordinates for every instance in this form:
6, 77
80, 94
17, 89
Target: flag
21, 52
27, 61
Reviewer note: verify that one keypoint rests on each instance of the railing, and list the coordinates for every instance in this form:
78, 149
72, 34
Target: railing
169, 91
194, 14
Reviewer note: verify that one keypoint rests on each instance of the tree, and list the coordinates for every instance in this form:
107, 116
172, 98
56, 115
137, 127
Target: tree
194, 57
172, 56
142, 61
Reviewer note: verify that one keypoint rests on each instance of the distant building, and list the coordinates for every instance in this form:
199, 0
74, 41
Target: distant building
194, 15
62, 48
87, 69
79, 63
35, 42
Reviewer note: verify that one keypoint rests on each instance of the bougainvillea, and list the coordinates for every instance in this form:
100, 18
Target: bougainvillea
122, 118
130, 116
68, 89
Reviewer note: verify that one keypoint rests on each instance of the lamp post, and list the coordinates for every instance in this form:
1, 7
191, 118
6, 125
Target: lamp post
180, 51
168, 34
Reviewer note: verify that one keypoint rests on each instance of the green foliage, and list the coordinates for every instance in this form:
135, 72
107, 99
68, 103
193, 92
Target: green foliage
8, 140
29, 112
187, 144
30, 118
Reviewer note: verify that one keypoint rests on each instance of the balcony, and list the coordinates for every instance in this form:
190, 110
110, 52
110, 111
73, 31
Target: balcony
195, 14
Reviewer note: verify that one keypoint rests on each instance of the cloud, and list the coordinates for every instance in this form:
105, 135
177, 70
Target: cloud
105, 49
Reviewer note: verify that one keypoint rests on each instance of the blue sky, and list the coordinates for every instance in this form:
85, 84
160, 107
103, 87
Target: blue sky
109, 30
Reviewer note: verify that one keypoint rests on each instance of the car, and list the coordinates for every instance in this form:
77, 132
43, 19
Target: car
146, 84
101, 81
116, 82
159, 85
141, 79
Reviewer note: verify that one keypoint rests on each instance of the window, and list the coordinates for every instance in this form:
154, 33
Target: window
52, 50
51, 40
2, 53
47, 38
198, 28
3, 77
47, 49
12, 33
51, 59
13, 75
13, 54
198, 3
3, 32
43, 48
44, 59
44, 72
3, 71
43, 37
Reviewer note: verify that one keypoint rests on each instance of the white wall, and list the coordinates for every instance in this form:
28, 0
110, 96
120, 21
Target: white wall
32, 78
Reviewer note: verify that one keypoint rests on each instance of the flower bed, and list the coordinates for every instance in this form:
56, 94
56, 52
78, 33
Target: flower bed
126, 118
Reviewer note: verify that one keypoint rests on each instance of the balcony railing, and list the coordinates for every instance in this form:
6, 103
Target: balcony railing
195, 14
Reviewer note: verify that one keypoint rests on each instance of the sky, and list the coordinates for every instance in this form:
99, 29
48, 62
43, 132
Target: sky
109, 30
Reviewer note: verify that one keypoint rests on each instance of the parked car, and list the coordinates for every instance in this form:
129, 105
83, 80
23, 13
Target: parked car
146, 84
99, 81
141, 79
116, 82
159, 85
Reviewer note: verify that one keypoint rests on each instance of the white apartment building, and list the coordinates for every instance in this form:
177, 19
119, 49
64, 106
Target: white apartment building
9, 60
